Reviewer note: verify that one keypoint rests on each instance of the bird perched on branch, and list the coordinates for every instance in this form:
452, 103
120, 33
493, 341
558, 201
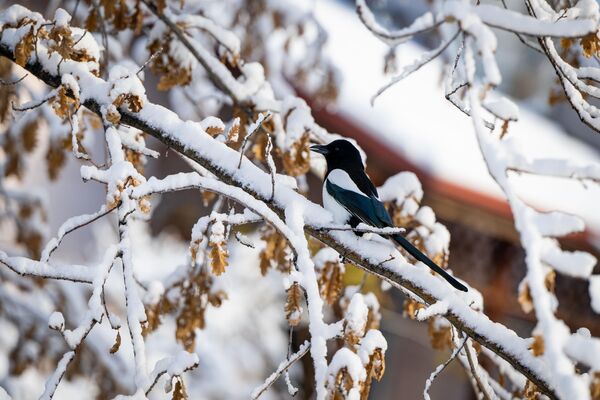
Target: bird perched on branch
351, 197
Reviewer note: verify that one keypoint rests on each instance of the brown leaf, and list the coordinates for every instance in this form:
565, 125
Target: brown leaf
214, 130
537, 347
117, 344
29, 135
218, 255
375, 370
24, 48
56, 157
91, 22
410, 308
331, 281
530, 391
590, 44
234, 132
524, 298
440, 335
134, 102
63, 41
550, 281
293, 304
296, 160
179, 393
63, 104
276, 252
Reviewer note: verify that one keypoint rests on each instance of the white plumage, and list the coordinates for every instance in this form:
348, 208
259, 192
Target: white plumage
343, 180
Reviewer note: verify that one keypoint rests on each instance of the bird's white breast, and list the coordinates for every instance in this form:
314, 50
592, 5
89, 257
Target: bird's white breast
343, 180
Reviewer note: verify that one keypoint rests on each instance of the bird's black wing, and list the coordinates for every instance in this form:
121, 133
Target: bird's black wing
361, 179
372, 212
368, 209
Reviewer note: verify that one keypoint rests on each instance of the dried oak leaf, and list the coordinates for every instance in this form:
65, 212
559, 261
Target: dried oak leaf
530, 391
63, 104
410, 308
343, 384
375, 370
537, 347
331, 281
296, 160
218, 257
293, 304
63, 41
179, 392
29, 135
115, 347
91, 22
524, 298
134, 102
233, 135
590, 44
275, 253
260, 146
24, 48
55, 157
440, 335
550, 281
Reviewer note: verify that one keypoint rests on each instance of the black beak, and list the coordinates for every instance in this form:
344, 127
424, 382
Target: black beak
319, 148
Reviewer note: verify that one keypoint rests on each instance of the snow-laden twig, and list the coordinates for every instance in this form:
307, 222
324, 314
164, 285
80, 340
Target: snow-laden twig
171, 366
362, 228
26, 267
423, 60
71, 225
281, 369
262, 118
440, 368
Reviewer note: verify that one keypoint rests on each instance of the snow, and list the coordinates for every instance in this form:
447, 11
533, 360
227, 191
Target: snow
61, 17
437, 308
56, 321
503, 108
356, 315
444, 146
345, 358
372, 341
400, 187
325, 255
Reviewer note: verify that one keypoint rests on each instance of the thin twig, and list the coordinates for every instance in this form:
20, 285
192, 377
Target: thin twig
408, 70
378, 231
271, 164
150, 59
253, 128
53, 244
30, 105
7, 83
441, 367
283, 367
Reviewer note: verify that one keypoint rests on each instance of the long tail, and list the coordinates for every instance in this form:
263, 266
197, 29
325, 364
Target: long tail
416, 253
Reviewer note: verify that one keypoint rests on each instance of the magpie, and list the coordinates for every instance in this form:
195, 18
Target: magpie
351, 197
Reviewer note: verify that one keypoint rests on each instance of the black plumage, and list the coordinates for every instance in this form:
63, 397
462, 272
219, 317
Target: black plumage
364, 205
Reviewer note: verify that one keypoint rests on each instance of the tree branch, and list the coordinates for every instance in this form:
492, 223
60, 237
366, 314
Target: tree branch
189, 139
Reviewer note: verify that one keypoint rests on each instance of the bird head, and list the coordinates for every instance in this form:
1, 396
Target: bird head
339, 154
